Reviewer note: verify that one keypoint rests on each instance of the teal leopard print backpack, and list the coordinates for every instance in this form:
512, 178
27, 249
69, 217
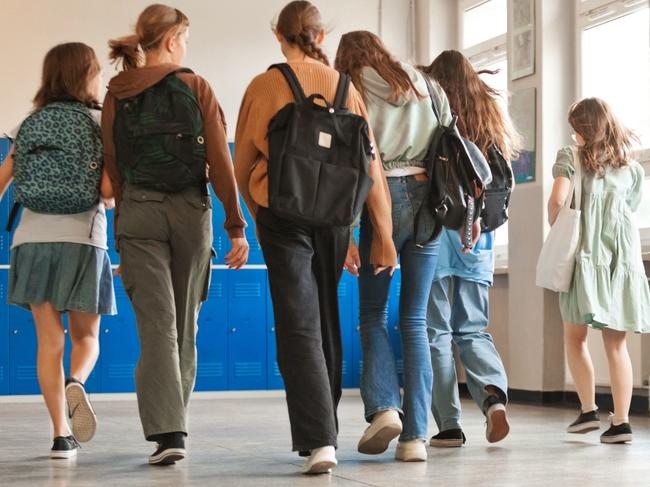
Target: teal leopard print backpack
58, 160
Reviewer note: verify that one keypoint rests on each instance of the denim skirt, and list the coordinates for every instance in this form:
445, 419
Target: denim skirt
71, 277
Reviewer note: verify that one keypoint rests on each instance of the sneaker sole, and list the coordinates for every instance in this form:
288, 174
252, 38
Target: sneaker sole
624, 438
452, 443
167, 457
498, 426
320, 468
584, 427
379, 441
83, 419
412, 458
63, 454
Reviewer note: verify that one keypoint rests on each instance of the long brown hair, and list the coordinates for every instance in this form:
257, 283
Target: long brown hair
607, 141
300, 24
360, 49
480, 119
68, 70
155, 24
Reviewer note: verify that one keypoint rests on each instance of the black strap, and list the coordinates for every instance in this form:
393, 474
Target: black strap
291, 78
12, 217
433, 98
342, 92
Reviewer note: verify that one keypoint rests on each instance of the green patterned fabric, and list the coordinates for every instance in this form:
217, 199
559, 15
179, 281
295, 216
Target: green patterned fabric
58, 160
159, 138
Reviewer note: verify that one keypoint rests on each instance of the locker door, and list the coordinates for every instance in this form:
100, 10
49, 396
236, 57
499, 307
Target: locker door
4, 334
356, 359
119, 345
345, 293
112, 253
212, 337
5, 207
274, 377
393, 321
255, 254
247, 339
22, 352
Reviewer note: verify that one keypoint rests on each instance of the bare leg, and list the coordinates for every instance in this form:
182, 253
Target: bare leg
620, 373
51, 340
84, 333
580, 365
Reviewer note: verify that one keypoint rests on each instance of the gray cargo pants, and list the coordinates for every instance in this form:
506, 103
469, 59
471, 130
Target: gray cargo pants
165, 243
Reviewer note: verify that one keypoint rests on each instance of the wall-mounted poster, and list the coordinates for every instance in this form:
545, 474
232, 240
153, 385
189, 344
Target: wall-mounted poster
523, 115
522, 38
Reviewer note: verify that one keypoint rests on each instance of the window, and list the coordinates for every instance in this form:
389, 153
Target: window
483, 26
616, 67
483, 21
614, 53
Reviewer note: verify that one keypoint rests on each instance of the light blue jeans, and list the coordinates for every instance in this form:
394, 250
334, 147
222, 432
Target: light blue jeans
380, 388
464, 321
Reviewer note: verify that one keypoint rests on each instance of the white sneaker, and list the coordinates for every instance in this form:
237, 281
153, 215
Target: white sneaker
385, 427
82, 416
497, 423
321, 460
411, 451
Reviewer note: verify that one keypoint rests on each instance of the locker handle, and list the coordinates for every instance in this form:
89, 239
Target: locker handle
233, 330
106, 331
15, 332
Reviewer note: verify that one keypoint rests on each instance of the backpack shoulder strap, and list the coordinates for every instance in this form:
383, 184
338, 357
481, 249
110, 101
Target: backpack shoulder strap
292, 80
432, 96
342, 92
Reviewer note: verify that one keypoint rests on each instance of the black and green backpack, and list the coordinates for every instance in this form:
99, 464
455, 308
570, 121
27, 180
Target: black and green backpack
159, 137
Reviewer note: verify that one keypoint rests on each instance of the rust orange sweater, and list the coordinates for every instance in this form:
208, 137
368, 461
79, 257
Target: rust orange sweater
264, 97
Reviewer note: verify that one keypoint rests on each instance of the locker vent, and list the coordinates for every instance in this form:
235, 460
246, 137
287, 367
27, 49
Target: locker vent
210, 369
248, 290
248, 369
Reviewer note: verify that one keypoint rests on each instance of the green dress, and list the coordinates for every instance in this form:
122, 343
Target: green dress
610, 287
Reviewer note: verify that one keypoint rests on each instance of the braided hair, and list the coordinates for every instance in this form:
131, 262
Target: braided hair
300, 24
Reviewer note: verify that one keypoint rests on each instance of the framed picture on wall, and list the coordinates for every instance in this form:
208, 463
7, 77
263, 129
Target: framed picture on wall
523, 113
522, 38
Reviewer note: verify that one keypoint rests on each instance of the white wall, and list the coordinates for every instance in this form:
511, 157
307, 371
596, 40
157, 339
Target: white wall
230, 41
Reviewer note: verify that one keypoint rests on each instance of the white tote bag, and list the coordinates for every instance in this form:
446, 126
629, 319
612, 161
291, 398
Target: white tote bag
556, 261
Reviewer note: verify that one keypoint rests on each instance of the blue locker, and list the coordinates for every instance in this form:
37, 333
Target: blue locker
356, 358
119, 345
6, 237
255, 254
346, 313
212, 337
22, 354
114, 256
5, 334
221, 243
247, 341
274, 377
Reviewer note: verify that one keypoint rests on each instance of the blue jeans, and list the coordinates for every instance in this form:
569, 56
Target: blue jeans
380, 388
464, 321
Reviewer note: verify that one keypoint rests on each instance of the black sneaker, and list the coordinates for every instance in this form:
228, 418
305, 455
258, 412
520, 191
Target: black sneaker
621, 433
64, 447
497, 427
82, 415
585, 423
171, 448
448, 439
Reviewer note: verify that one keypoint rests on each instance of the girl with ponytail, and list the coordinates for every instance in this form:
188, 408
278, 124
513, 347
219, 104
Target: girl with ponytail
305, 262
163, 210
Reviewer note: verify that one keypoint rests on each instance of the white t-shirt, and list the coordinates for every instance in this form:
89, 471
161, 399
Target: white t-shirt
88, 228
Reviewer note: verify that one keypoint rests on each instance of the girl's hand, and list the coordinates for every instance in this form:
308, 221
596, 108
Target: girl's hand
353, 261
238, 255
379, 269
117, 271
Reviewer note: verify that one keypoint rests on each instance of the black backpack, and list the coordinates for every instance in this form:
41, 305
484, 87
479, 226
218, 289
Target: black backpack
159, 137
457, 173
497, 193
318, 158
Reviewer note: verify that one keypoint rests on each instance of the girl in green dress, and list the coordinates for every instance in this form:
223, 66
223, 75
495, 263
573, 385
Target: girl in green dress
609, 291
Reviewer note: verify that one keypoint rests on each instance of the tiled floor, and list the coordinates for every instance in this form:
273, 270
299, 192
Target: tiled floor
245, 442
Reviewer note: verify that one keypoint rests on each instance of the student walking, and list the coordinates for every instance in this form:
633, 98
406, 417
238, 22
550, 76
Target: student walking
305, 260
609, 291
400, 112
163, 131
459, 304
59, 258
